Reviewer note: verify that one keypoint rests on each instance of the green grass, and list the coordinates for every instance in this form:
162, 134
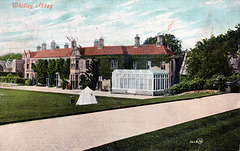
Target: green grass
220, 132
19, 105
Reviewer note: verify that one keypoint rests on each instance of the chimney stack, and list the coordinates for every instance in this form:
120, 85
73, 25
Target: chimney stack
38, 48
53, 45
44, 46
136, 41
160, 40
96, 43
66, 45
100, 43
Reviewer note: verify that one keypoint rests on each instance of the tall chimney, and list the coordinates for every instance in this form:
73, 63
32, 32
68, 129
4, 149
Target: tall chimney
136, 41
74, 44
66, 45
160, 40
101, 43
96, 43
38, 48
53, 45
44, 46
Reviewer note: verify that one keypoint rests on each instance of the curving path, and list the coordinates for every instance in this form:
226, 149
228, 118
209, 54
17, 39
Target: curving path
81, 132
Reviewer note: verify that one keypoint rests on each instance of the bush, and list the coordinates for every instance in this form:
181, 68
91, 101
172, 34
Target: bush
216, 82
196, 84
28, 82
11, 78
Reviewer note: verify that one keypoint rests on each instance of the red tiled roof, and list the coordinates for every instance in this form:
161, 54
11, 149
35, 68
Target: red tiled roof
149, 50
124, 50
32, 54
65, 52
106, 50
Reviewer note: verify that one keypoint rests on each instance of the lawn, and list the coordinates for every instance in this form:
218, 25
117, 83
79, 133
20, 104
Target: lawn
19, 105
219, 132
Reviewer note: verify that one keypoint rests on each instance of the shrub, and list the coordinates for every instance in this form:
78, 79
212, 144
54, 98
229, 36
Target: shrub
28, 82
11, 78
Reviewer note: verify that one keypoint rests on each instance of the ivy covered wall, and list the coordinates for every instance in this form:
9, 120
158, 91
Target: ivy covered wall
126, 62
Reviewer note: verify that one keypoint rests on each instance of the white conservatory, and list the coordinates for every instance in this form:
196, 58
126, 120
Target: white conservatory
145, 82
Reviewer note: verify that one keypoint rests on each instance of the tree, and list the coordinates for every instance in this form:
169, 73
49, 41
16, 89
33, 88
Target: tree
52, 72
11, 56
211, 56
169, 40
63, 68
90, 78
41, 70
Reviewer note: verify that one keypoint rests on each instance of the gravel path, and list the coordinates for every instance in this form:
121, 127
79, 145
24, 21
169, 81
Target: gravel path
81, 132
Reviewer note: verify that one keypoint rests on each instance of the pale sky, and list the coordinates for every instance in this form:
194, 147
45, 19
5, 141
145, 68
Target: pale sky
117, 21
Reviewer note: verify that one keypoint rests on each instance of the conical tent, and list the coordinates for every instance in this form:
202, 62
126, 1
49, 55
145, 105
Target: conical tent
86, 97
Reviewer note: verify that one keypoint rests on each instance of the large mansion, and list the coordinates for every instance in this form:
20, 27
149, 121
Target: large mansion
118, 57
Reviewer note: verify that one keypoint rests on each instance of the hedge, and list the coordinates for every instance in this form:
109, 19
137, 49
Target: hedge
10, 78
216, 82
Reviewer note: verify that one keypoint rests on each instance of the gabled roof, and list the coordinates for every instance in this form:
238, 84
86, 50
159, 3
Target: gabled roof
65, 52
32, 54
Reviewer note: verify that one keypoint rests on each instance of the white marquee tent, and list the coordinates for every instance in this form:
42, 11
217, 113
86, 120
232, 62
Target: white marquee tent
86, 97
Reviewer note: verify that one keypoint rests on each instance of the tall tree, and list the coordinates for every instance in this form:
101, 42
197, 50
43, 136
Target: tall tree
63, 68
211, 56
169, 40
41, 70
52, 72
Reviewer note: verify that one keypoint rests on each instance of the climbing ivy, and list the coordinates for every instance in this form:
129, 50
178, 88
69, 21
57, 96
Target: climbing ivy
126, 62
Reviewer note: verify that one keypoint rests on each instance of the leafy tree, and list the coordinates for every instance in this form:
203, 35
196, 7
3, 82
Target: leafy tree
212, 56
52, 72
11, 56
90, 78
41, 70
63, 68
169, 40
209, 61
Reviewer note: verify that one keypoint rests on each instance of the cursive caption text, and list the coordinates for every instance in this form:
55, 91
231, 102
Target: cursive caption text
31, 6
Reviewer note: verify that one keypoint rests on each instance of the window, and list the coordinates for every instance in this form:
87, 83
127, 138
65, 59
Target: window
163, 66
134, 65
76, 80
77, 64
114, 64
148, 64
72, 65
56, 80
27, 75
87, 63
27, 65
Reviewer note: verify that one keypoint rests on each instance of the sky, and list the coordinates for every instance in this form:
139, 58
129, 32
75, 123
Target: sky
117, 21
